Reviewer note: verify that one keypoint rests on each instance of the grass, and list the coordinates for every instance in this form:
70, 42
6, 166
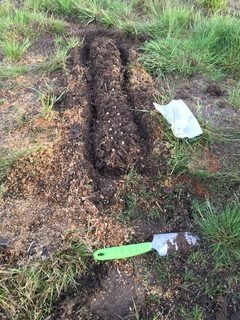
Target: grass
167, 56
11, 71
47, 101
170, 22
207, 45
186, 154
222, 230
183, 41
19, 28
30, 292
140, 199
14, 50
7, 158
214, 5
52, 63
176, 40
107, 12
23, 23
195, 313
234, 96
58, 59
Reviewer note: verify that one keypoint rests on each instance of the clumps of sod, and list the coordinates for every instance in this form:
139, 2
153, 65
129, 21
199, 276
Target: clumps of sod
30, 291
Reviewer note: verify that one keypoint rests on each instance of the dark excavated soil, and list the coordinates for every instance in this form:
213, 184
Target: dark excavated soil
81, 172
104, 132
116, 138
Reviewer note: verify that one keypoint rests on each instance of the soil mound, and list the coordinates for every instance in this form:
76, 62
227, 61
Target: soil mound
103, 133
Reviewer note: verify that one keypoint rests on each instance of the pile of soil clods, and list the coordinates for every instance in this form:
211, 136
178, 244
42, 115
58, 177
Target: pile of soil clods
116, 138
141, 91
61, 173
100, 137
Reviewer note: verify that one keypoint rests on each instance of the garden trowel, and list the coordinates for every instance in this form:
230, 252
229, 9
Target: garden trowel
164, 243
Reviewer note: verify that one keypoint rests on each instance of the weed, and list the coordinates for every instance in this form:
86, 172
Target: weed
196, 313
131, 206
234, 96
171, 22
62, 7
189, 276
167, 56
161, 266
222, 230
30, 292
13, 49
140, 198
47, 101
213, 5
197, 258
21, 119
210, 45
218, 40
56, 26
213, 287
166, 93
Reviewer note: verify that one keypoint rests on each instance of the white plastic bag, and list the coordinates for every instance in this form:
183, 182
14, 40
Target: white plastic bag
181, 118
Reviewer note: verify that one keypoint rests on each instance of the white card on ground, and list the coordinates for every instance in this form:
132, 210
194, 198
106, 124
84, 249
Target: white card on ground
183, 122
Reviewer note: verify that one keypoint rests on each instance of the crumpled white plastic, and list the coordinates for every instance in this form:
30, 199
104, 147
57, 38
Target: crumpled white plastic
183, 123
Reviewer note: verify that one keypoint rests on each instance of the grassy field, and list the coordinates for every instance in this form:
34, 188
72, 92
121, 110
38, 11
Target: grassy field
177, 41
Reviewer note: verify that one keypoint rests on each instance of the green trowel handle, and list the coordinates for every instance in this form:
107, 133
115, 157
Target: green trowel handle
122, 252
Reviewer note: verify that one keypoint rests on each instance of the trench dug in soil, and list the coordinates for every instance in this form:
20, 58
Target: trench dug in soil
106, 128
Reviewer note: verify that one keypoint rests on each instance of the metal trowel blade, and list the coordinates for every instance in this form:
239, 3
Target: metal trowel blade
167, 243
